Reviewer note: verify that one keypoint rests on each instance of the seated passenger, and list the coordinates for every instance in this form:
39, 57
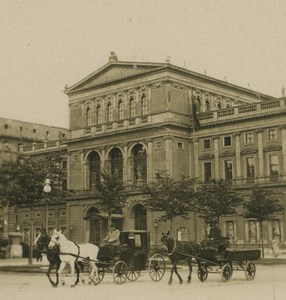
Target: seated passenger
112, 240
215, 240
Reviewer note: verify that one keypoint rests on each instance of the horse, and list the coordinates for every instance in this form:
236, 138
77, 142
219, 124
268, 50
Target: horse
177, 251
71, 253
41, 243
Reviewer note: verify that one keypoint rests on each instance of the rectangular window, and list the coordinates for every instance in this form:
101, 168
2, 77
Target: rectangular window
180, 145
21, 128
227, 141
273, 165
272, 134
6, 126
228, 169
207, 144
250, 168
34, 130
207, 171
249, 138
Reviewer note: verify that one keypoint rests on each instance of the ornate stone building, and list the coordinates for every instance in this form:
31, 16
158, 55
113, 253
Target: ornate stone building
136, 119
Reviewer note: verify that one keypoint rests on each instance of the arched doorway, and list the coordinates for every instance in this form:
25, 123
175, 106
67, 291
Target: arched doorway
140, 217
94, 224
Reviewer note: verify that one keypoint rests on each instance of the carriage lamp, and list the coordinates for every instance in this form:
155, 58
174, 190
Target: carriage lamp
47, 189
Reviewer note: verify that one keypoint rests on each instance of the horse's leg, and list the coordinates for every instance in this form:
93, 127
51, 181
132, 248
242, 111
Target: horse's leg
48, 274
62, 266
72, 266
176, 271
190, 269
58, 264
79, 269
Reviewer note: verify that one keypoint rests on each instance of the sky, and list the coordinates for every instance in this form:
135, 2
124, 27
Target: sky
46, 45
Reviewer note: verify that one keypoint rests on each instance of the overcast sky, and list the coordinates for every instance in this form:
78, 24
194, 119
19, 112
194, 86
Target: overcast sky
48, 44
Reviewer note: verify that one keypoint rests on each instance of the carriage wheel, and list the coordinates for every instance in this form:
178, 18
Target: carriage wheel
250, 270
226, 272
156, 267
120, 272
133, 274
100, 277
202, 273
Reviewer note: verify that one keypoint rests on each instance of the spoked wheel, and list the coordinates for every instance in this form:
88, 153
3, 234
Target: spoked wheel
226, 272
120, 272
100, 277
156, 267
250, 270
202, 273
133, 274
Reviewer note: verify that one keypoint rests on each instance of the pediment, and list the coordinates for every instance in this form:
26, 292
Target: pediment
248, 151
111, 72
227, 154
206, 156
272, 148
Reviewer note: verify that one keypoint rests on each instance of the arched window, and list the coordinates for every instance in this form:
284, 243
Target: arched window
116, 162
219, 106
139, 164
198, 104
140, 217
88, 117
207, 105
93, 161
109, 112
120, 110
131, 108
98, 116
143, 104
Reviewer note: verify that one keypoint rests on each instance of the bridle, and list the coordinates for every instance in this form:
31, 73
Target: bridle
174, 246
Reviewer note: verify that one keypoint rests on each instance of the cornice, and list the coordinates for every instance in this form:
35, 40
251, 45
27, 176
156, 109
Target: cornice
248, 151
206, 156
272, 148
227, 154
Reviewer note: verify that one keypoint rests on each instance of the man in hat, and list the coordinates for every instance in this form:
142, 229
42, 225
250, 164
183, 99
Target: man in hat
112, 239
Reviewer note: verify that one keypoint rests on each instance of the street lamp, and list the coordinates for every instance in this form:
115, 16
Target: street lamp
47, 189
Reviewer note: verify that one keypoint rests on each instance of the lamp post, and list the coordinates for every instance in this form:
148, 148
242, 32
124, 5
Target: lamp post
47, 189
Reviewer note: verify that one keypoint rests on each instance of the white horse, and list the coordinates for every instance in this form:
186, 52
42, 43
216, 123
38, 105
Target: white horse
71, 253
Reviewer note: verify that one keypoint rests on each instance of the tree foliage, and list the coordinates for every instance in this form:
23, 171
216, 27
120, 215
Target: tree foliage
217, 198
171, 197
21, 181
110, 193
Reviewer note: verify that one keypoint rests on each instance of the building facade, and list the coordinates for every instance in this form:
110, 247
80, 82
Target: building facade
136, 119
15, 137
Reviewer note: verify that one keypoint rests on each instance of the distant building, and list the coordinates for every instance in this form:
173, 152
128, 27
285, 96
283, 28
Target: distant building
136, 119
15, 136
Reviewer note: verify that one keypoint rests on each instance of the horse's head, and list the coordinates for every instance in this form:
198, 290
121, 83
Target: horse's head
42, 240
167, 240
55, 239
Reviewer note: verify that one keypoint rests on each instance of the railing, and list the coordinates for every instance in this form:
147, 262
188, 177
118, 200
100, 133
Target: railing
247, 108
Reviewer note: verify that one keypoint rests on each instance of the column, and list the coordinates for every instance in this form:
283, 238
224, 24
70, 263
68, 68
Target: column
260, 155
283, 139
237, 156
125, 163
196, 171
216, 157
150, 160
169, 154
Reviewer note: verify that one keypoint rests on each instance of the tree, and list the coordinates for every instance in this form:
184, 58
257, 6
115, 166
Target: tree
110, 193
261, 206
171, 197
21, 181
217, 198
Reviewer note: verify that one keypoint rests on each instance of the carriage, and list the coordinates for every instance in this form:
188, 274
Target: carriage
134, 257
228, 261
222, 260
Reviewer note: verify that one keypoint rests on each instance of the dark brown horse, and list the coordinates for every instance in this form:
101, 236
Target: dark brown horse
41, 243
177, 251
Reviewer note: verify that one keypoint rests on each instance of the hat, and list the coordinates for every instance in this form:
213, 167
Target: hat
112, 225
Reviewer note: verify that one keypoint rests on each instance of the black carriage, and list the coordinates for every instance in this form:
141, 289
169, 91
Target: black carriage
132, 257
229, 260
